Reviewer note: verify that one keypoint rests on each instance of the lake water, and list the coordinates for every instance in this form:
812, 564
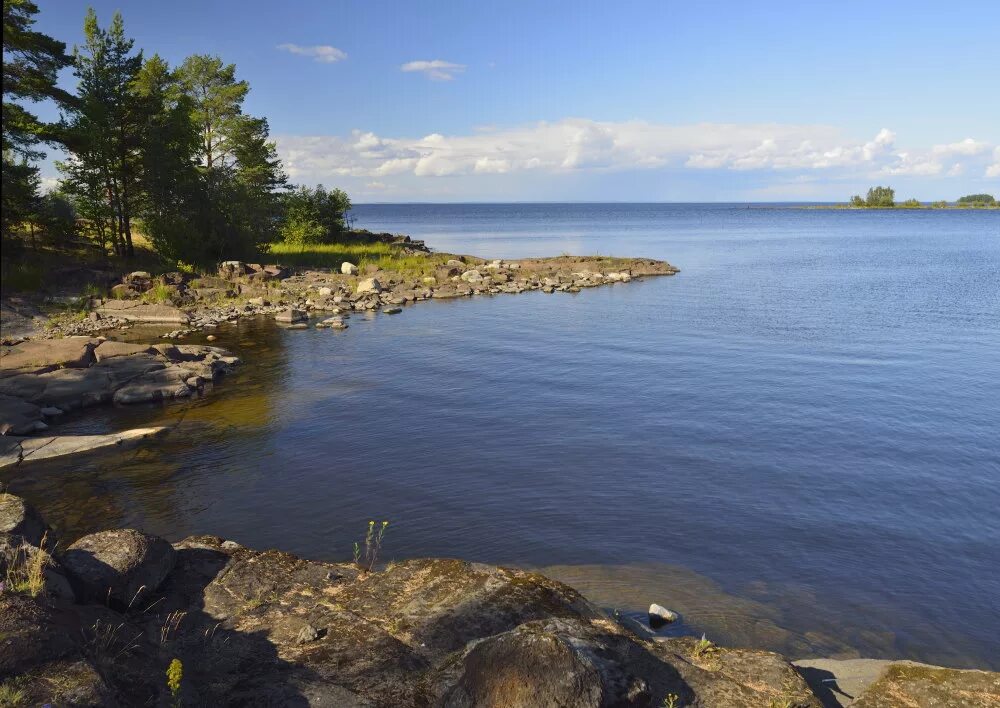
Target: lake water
795, 442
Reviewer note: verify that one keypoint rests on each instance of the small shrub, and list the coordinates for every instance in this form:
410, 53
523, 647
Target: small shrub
703, 648
159, 294
373, 545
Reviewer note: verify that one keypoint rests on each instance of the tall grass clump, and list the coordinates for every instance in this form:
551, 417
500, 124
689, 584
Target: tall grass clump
373, 546
26, 568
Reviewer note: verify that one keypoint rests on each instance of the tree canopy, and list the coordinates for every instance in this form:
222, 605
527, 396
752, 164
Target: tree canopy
876, 197
977, 199
31, 62
165, 151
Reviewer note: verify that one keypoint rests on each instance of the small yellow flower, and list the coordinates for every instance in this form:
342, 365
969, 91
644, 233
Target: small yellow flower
175, 672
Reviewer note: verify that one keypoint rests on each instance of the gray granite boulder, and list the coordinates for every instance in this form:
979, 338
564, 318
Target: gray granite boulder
121, 566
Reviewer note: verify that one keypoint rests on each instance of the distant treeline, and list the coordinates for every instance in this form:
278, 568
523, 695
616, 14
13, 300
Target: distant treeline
164, 150
885, 198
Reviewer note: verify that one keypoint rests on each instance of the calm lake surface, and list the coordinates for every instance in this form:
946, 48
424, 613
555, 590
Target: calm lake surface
795, 442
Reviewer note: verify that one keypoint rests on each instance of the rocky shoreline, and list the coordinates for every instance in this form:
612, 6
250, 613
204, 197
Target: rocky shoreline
100, 621
71, 365
42, 380
245, 289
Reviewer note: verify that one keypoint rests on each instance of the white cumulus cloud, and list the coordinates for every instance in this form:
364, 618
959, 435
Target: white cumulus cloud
434, 69
993, 170
323, 53
578, 144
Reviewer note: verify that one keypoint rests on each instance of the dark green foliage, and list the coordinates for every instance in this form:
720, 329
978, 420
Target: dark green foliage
172, 195
237, 162
881, 197
314, 216
31, 61
105, 133
877, 197
977, 199
168, 152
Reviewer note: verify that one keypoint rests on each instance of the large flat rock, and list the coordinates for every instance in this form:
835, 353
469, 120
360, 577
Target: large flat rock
143, 312
110, 349
18, 417
14, 449
46, 355
880, 683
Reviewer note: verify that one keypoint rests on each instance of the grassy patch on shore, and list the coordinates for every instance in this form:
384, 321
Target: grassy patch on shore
332, 255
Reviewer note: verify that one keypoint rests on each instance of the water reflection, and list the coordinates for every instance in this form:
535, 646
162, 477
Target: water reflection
156, 486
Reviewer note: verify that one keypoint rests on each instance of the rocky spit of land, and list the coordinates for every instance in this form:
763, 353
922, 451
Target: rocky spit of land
99, 621
185, 303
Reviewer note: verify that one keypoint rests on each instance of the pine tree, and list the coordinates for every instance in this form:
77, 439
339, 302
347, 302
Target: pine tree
241, 171
172, 190
106, 132
31, 61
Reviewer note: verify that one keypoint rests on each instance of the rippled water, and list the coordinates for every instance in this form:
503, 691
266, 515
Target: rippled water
795, 441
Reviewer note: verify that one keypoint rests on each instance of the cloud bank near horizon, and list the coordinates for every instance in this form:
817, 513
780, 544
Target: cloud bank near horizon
576, 145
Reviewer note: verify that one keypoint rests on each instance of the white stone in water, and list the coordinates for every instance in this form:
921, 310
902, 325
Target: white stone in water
660, 615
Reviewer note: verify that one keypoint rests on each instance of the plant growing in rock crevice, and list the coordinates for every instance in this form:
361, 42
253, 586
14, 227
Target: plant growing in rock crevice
26, 566
373, 546
703, 648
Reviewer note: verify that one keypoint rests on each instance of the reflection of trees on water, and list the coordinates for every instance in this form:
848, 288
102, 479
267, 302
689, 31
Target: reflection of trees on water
155, 487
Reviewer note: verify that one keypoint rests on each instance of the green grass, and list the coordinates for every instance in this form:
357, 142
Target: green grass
159, 294
332, 255
11, 694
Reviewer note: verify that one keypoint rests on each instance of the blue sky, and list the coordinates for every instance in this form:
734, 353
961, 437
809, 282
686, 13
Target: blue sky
657, 101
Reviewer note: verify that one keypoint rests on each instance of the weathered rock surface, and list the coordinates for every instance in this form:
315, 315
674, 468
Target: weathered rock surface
19, 417
15, 449
109, 349
18, 518
268, 628
369, 285
878, 683
122, 565
910, 684
291, 316
39, 356
120, 372
42, 656
135, 311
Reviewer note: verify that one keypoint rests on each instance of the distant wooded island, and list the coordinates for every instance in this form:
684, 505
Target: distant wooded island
885, 198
